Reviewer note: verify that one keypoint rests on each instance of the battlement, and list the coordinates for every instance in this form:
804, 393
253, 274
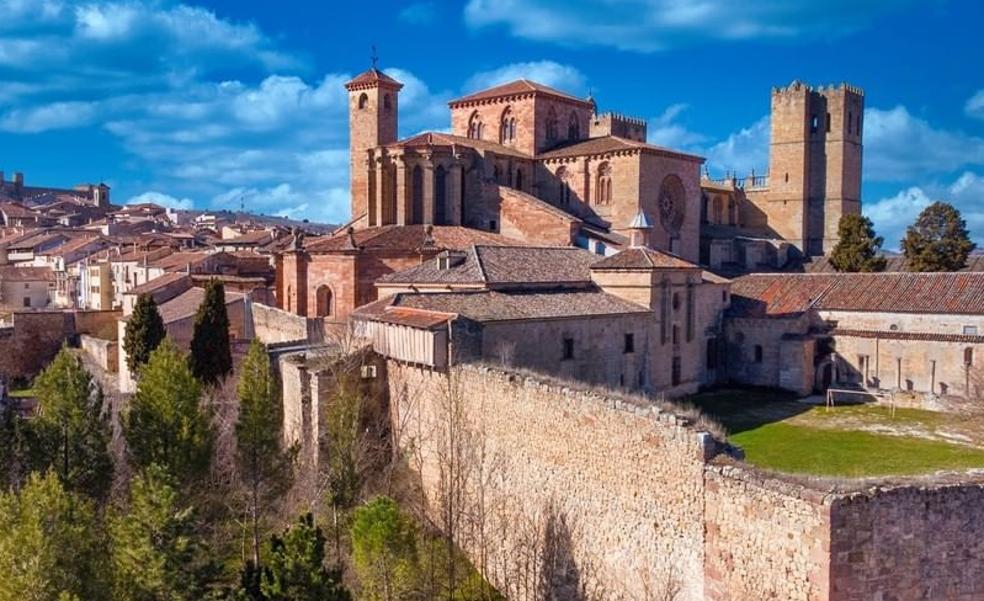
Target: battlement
799, 87
617, 124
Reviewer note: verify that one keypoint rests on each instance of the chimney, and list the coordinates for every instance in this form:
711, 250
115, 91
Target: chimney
639, 231
18, 180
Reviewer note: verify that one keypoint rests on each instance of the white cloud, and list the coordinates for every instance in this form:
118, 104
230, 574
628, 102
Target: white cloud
553, 74
975, 105
892, 215
162, 199
57, 115
651, 25
742, 151
665, 130
900, 146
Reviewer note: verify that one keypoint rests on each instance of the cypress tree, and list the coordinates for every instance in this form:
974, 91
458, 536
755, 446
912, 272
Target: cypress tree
144, 332
211, 357
857, 247
938, 240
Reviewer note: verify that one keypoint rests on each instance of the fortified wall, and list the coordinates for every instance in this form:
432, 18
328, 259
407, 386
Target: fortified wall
583, 493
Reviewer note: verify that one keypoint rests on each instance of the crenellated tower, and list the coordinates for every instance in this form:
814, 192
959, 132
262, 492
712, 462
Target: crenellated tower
814, 163
373, 122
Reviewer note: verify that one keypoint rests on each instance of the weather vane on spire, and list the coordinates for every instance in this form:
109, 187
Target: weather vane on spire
374, 57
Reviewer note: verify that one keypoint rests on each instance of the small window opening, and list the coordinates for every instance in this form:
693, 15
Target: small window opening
758, 353
629, 346
568, 349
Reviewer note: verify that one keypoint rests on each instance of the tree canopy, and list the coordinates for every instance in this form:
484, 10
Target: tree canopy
938, 240
857, 247
296, 568
166, 423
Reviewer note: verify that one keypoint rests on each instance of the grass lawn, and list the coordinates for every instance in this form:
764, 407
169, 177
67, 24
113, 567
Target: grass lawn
779, 433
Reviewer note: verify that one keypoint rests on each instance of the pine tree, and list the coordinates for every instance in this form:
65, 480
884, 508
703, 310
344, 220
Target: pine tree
50, 545
166, 423
265, 466
157, 552
384, 550
938, 240
72, 430
144, 332
211, 357
857, 248
296, 568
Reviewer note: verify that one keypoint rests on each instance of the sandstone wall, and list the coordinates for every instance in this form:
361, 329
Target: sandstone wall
617, 488
273, 325
909, 544
105, 353
765, 539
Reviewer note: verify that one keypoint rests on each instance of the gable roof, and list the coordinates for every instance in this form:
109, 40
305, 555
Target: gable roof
408, 238
643, 258
11, 273
606, 144
517, 88
503, 266
772, 295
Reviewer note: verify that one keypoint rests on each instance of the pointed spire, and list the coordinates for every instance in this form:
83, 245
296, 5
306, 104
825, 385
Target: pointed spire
639, 230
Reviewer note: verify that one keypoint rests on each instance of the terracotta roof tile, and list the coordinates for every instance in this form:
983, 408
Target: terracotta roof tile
643, 258
26, 274
186, 304
515, 88
409, 238
371, 78
899, 292
485, 306
496, 266
439, 139
606, 144
917, 336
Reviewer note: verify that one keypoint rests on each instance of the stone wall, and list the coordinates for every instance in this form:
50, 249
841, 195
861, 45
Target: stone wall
908, 543
272, 325
765, 539
105, 353
614, 486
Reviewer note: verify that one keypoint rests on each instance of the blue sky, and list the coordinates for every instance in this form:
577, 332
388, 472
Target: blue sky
215, 102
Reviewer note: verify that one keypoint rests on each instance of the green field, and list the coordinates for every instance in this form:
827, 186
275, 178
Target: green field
778, 433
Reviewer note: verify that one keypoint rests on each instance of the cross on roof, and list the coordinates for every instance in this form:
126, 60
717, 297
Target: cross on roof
374, 57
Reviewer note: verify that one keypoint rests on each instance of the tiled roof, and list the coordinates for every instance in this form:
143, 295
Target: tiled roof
409, 238
606, 144
370, 78
13, 210
515, 88
432, 139
498, 265
26, 274
74, 245
186, 304
415, 318
179, 260
900, 292
485, 306
975, 262
643, 258
917, 336
157, 283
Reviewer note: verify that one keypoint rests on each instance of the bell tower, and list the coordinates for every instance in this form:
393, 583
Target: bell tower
373, 109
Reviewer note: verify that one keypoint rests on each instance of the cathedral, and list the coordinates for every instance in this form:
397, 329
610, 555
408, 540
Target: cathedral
523, 148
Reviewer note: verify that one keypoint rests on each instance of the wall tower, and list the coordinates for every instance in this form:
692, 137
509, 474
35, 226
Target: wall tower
814, 163
373, 122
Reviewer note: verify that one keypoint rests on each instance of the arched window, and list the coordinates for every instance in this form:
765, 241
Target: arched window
603, 185
717, 210
475, 126
969, 356
325, 303
573, 128
519, 179
551, 125
417, 200
758, 353
440, 196
363, 100
564, 196
507, 127
287, 301
387, 103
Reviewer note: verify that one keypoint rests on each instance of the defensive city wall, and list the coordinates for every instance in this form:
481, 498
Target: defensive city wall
597, 495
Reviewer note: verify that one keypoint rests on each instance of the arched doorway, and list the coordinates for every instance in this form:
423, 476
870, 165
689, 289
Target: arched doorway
325, 301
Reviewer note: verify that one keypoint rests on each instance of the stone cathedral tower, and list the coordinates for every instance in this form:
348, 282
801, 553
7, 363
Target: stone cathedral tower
814, 163
373, 111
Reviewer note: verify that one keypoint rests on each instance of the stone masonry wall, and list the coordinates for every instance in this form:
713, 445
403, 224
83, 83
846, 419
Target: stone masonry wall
765, 539
617, 487
909, 543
